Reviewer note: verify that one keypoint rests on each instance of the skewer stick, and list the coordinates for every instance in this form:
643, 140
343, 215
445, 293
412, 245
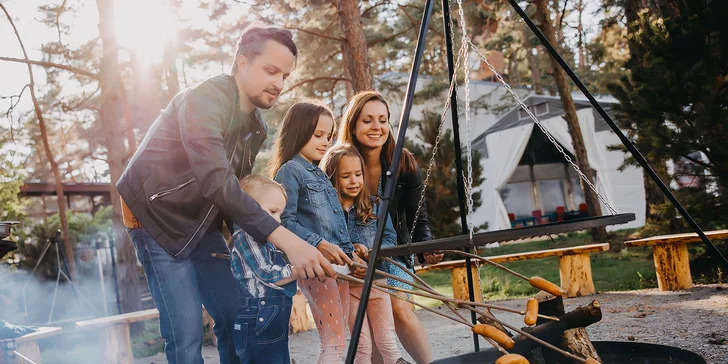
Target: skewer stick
536, 282
424, 286
486, 260
440, 297
462, 319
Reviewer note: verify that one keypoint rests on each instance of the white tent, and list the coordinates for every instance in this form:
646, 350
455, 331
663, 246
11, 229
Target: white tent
502, 147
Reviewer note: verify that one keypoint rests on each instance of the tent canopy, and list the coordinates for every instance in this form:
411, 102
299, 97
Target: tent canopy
504, 144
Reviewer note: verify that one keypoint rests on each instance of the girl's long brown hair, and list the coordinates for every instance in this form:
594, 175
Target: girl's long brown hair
408, 164
330, 165
296, 130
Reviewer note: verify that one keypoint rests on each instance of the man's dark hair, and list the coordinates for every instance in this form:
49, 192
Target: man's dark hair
255, 36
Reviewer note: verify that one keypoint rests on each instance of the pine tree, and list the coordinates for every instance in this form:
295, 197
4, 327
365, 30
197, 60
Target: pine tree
442, 191
674, 100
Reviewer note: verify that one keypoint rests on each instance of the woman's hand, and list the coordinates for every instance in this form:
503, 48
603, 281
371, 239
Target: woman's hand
362, 251
333, 253
357, 271
433, 257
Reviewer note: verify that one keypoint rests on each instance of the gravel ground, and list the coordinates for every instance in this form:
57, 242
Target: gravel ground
694, 319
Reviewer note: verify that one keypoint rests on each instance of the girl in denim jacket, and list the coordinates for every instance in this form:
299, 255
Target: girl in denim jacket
345, 168
313, 212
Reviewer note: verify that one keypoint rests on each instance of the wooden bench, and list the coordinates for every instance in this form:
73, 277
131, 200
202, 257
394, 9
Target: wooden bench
670, 253
574, 269
27, 345
116, 339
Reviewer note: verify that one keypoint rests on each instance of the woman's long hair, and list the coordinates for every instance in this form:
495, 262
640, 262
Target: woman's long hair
408, 164
330, 165
296, 130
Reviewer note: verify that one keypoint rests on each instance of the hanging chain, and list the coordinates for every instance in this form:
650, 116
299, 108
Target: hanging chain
543, 129
453, 86
468, 144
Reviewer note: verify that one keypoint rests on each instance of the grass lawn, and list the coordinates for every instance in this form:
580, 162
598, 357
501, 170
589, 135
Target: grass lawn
627, 269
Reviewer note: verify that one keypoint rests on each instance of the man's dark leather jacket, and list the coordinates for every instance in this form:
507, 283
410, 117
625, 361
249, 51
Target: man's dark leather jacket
181, 176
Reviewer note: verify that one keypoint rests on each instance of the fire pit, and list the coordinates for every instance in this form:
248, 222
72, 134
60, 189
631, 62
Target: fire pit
611, 352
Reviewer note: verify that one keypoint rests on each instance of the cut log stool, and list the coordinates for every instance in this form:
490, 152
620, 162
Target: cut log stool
574, 268
670, 253
459, 278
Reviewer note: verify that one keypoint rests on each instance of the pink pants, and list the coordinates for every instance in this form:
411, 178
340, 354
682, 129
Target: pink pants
379, 316
329, 302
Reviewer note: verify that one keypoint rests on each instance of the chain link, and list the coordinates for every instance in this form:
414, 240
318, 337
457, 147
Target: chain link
543, 129
453, 86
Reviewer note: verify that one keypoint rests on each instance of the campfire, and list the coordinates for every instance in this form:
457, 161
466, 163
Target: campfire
550, 336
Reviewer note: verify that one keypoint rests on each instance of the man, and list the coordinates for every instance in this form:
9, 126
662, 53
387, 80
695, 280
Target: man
182, 183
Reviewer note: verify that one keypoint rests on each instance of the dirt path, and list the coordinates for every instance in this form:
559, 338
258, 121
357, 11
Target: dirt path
695, 319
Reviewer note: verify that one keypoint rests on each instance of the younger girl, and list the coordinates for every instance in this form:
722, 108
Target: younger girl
345, 168
313, 212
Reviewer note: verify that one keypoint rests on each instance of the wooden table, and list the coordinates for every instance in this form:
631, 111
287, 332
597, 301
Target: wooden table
115, 335
670, 253
27, 345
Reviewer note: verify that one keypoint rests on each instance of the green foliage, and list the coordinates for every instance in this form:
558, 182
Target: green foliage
442, 192
84, 230
674, 101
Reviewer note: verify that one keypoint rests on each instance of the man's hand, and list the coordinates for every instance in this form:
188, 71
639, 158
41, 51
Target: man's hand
333, 253
357, 271
433, 257
307, 261
362, 251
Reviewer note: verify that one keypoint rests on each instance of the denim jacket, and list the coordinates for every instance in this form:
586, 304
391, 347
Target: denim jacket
313, 211
365, 232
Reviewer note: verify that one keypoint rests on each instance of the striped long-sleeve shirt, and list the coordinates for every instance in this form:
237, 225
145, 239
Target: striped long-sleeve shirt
257, 267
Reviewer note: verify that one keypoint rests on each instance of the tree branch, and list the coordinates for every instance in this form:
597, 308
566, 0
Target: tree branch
52, 65
49, 154
338, 39
395, 35
698, 162
314, 80
367, 10
561, 16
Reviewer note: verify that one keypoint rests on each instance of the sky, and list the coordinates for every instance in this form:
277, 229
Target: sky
145, 32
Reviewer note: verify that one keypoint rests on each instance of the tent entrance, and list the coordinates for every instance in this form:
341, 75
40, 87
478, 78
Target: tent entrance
543, 184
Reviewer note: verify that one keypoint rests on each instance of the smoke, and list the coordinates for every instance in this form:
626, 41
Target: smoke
29, 300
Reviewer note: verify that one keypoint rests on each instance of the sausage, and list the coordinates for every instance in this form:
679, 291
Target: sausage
498, 336
511, 359
531, 312
544, 285
591, 361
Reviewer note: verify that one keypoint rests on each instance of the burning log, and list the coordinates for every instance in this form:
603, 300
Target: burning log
569, 332
552, 331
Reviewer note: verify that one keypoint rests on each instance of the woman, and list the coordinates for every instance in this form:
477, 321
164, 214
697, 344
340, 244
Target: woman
365, 124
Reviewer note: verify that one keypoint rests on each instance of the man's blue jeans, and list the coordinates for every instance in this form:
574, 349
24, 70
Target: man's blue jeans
179, 289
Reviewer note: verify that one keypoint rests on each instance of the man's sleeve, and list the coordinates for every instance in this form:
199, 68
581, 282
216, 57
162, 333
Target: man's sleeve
202, 120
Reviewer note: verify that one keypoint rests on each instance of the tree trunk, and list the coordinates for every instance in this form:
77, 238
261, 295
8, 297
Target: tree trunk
580, 30
67, 243
590, 196
110, 116
653, 194
170, 62
354, 45
532, 62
